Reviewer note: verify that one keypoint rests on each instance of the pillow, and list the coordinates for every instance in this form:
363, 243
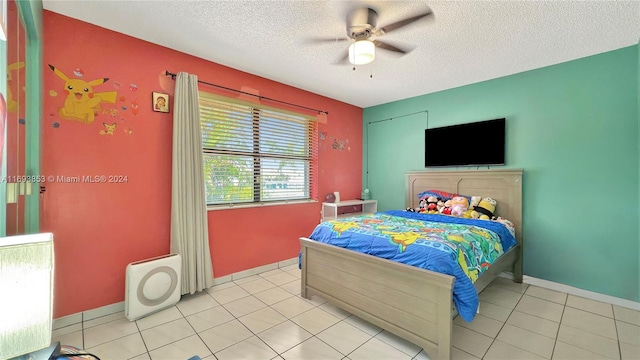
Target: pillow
443, 195
508, 224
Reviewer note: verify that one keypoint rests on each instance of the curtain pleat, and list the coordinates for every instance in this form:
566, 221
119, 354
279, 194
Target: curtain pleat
189, 229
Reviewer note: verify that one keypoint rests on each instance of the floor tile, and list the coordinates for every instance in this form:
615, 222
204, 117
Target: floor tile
281, 278
161, 335
629, 352
261, 320
470, 341
541, 308
159, 318
225, 335
335, 311
496, 312
293, 287
296, 273
563, 351
547, 294
249, 349
284, 336
191, 304
500, 296
527, 340
397, 342
344, 337
107, 332
271, 272
457, 354
628, 333
535, 324
376, 349
257, 286
315, 320
182, 349
589, 341
315, 300
292, 306
589, 322
482, 324
503, 351
207, 319
509, 284
244, 306
591, 306
627, 315
122, 348
229, 294
273, 295
67, 330
363, 325
103, 320
223, 286
72, 339
312, 348
144, 356
247, 279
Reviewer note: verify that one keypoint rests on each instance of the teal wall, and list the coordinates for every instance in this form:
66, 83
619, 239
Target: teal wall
573, 128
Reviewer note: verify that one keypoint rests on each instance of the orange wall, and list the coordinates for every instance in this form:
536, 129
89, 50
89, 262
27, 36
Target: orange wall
101, 227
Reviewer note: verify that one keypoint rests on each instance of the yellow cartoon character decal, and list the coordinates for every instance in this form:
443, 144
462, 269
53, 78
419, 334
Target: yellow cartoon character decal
12, 105
81, 102
109, 129
402, 239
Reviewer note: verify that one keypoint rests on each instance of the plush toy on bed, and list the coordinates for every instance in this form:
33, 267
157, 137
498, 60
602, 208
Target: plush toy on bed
432, 205
440, 206
447, 207
459, 205
422, 206
485, 209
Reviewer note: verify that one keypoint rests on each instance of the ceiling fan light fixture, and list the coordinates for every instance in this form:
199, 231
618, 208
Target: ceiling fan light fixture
362, 52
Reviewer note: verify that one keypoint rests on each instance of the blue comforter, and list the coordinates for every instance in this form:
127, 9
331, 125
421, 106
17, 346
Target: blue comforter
463, 248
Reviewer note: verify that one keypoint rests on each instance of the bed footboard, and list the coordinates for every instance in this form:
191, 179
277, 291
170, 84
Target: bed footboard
410, 302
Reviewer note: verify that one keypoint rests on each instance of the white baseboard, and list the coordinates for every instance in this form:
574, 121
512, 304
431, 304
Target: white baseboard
577, 291
78, 318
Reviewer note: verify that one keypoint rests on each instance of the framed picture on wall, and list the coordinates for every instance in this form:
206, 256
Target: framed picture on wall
160, 102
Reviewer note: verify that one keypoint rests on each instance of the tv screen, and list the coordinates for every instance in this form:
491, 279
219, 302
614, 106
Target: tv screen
477, 143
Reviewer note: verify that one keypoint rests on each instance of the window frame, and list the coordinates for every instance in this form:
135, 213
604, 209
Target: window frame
310, 160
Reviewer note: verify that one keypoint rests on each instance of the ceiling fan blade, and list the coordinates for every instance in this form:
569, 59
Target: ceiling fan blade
398, 24
324, 40
344, 59
387, 46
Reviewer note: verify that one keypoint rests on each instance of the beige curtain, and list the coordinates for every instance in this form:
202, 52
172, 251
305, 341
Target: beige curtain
189, 232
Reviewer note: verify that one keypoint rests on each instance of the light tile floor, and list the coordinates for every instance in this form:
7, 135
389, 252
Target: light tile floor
263, 317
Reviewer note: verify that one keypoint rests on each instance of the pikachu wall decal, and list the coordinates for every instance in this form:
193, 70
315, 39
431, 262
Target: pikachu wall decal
82, 103
109, 129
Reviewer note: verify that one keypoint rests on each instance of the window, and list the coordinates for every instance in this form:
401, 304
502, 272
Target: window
256, 154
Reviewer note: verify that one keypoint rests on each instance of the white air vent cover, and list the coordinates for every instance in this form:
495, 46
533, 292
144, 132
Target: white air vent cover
152, 285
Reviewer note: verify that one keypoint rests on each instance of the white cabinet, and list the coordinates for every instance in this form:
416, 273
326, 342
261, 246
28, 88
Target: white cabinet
330, 210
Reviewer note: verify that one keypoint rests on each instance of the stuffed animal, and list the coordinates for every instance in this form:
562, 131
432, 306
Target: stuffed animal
440, 206
475, 200
422, 206
459, 205
432, 205
447, 208
485, 209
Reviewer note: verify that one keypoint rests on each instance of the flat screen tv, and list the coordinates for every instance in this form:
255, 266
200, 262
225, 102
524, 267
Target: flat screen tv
472, 144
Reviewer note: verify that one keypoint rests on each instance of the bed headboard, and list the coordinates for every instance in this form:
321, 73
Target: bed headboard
505, 186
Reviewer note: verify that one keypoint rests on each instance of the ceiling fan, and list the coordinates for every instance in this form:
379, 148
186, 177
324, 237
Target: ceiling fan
364, 34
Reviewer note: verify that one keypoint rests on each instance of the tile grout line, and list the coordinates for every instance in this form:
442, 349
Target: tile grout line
504, 323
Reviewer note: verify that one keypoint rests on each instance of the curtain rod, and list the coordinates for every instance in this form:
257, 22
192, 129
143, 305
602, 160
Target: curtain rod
173, 76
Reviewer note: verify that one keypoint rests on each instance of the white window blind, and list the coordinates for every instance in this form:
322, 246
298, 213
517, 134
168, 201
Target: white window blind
254, 153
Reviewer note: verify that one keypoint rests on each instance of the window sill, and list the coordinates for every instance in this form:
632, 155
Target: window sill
254, 205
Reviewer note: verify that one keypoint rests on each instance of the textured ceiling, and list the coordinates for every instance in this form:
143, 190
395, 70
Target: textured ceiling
465, 42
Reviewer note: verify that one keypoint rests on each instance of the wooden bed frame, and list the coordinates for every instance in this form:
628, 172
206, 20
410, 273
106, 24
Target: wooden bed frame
413, 303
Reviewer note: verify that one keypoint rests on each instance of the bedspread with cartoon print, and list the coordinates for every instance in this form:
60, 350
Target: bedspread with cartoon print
463, 248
